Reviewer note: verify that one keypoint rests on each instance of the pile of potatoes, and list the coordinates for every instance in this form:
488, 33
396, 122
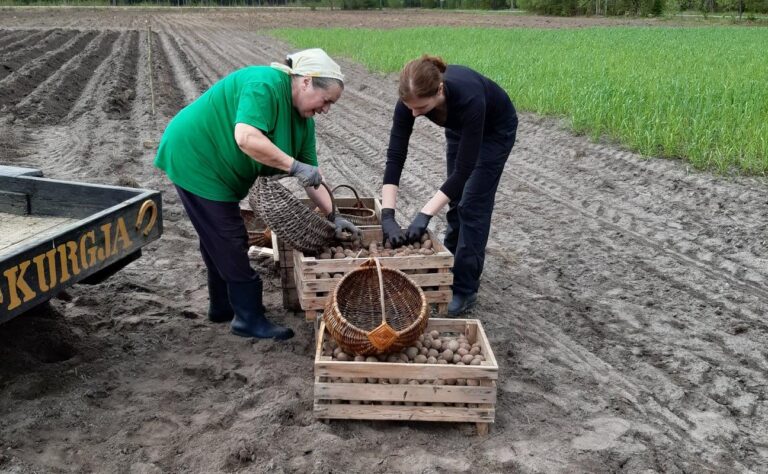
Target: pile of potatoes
430, 348
356, 249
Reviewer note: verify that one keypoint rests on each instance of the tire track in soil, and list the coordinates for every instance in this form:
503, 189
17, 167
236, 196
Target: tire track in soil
16, 87
55, 98
17, 58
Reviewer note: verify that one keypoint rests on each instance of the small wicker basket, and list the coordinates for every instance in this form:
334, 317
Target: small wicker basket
374, 310
289, 218
358, 214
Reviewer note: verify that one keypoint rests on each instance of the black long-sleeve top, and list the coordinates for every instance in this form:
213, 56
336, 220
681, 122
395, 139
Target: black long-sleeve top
476, 108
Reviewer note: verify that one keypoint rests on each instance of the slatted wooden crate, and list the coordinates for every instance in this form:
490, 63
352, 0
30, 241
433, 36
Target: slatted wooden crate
431, 272
427, 402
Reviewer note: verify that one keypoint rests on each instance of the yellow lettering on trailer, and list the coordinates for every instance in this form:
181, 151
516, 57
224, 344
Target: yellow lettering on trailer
88, 255
121, 235
40, 263
16, 283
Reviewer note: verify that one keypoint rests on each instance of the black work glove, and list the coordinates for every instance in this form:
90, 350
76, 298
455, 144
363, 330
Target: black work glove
391, 229
417, 228
307, 175
343, 225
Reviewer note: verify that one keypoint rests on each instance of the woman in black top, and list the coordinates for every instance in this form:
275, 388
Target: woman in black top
480, 126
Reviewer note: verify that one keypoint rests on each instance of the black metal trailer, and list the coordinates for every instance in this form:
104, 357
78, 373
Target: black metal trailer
54, 234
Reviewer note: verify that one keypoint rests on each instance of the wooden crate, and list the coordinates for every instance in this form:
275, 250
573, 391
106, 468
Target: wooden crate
363, 401
431, 272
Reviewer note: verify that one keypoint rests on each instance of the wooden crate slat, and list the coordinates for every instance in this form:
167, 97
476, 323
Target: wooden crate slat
406, 392
401, 412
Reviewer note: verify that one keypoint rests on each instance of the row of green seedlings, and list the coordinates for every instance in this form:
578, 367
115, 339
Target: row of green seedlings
356, 249
430, 348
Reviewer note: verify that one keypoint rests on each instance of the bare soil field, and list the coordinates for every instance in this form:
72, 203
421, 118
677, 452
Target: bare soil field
625, 298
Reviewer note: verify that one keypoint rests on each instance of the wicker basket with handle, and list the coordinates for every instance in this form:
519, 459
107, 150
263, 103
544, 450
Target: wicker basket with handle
295, 223
374, 310
357, 214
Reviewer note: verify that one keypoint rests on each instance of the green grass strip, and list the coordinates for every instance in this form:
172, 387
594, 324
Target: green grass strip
700, 94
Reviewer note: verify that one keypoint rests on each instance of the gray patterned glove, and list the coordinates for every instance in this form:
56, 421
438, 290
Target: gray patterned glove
307, 175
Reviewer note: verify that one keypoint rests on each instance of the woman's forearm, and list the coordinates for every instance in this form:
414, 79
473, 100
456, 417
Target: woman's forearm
255, 144
438, 201
389, 196
321, 198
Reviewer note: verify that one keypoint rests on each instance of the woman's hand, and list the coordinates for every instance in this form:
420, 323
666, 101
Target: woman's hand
343, 225
307, 175
417, 228
391, 229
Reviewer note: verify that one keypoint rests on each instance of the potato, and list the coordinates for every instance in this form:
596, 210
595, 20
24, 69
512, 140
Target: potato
450, 381
412, 352
425, 238
427, 245
462, 351
371, 359
393, 358
404, 357
437, 344
446, 354
453, 345
431, 360
337, 351
467, 358
434, 334
324, 256
476, 362
424, 351
420, 359
343, 356
473, 382
359, 358
475, 351
456, 358
442, 361
339, 255
433, 353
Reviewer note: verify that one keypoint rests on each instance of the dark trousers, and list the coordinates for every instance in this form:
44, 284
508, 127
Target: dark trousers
469, 216
223, 237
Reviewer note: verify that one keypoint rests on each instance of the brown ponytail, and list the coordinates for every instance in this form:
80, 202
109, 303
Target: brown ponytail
421, 77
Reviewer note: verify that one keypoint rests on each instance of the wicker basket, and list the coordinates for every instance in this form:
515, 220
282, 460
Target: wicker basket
358, 214
289, 218
374, 310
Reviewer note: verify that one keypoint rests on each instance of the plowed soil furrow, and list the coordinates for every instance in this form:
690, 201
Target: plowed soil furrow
56, 97
17, 58
16, 87
169, 97
123, 90
186, 73
208, 73
18, 39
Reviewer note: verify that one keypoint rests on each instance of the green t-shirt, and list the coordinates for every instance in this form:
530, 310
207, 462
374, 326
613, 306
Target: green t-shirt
198, 151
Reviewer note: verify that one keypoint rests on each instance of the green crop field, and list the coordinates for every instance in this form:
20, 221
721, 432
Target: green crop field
700, 94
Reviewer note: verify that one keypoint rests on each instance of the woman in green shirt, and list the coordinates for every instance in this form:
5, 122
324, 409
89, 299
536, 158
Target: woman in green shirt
257, 121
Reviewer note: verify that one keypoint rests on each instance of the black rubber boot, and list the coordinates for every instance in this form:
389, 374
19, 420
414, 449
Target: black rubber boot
219, 309
250, 320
